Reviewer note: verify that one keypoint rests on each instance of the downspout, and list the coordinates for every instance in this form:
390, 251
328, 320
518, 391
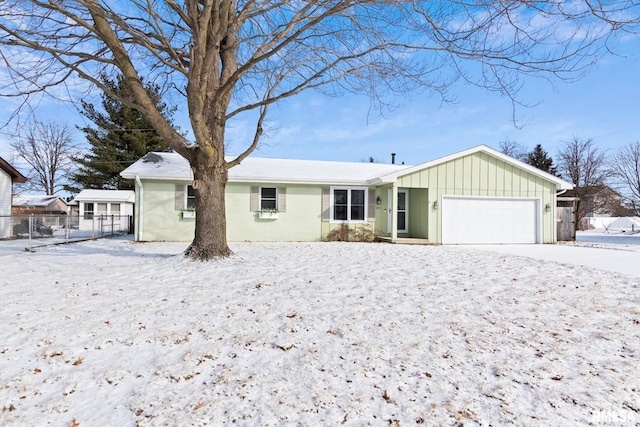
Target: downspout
140, 210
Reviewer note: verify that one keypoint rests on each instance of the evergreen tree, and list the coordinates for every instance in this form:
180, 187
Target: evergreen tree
120, 137
539, 158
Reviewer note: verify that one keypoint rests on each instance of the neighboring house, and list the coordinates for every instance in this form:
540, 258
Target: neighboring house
38, 205
595, 203
476, 196
117, 205
8, 176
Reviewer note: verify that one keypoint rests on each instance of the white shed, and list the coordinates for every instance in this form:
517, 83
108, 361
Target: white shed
115, 206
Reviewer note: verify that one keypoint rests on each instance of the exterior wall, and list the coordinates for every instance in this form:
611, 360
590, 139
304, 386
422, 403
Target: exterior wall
5, 204
89, 223
161, 221
301, 220
419, 213
480, 174
380, 225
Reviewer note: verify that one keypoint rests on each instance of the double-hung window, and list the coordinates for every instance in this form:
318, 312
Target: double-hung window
88, 211
268, 198
349, 204
191, 197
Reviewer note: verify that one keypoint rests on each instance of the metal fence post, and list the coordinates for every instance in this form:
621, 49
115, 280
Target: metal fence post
31, 217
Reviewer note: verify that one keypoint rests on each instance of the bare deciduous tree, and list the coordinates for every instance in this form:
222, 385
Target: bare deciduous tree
625, 165
227, 58
513, 149
583, 164
48, 148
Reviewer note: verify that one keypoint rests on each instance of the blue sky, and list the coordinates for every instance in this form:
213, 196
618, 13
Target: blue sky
602, 106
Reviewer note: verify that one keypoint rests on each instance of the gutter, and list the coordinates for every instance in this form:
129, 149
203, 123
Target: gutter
139, 216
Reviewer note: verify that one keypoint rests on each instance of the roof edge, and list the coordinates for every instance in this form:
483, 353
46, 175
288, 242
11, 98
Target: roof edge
13, 172
560, 183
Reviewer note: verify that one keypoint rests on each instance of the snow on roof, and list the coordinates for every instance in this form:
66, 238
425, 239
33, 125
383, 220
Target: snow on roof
106, 195
34, 200
172, 166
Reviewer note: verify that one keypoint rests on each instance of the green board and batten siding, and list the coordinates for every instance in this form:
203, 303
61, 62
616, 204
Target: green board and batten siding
476, 174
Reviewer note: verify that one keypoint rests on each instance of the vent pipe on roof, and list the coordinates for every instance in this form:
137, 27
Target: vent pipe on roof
393, 158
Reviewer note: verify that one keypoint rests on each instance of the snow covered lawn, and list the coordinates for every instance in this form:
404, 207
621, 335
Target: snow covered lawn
115, 333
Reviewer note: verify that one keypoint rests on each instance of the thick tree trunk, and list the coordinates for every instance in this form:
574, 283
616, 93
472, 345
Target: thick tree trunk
210, 240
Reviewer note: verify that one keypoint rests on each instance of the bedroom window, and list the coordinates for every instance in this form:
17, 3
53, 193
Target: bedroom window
268, 198
349, 204
191, 197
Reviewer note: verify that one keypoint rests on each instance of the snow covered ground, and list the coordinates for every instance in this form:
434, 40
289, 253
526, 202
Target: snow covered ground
116, 333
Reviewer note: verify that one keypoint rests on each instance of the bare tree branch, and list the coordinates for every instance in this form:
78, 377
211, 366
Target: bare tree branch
625, 166
48, 148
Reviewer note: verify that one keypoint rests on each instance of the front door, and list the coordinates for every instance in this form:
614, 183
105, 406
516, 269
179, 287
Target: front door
402, 211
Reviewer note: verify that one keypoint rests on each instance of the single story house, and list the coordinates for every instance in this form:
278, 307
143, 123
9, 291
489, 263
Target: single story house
115, 204
476, 196
37, 204
8, 176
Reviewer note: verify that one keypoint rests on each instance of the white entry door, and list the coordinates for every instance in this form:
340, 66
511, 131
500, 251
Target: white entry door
402, 210
473, 220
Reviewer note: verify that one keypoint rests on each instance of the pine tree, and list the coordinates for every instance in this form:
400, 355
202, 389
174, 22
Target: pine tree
539, 158
120, 137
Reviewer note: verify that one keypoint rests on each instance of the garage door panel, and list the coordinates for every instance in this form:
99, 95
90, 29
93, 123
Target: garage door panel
478, 220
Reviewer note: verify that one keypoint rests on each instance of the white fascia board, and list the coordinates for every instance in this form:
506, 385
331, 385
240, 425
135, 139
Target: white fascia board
249, 180
147, 177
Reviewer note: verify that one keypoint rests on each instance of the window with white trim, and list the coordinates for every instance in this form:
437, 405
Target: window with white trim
348, 204
101, 209
88, 210
191, 197
268, 198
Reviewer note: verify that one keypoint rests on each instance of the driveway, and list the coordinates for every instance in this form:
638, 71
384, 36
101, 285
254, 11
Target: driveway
616, 258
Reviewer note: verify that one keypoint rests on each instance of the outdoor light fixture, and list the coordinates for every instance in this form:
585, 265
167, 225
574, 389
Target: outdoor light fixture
435, 205
378, 201
547, 207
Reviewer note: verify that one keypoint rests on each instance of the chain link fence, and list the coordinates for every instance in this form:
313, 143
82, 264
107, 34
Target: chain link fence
40, 229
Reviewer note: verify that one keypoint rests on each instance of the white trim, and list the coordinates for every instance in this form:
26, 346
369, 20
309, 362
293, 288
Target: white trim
140, 207
394, 210
405, 191
349, 220
390, 209
260, 196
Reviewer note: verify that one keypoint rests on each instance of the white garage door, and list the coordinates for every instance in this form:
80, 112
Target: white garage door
471, 220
